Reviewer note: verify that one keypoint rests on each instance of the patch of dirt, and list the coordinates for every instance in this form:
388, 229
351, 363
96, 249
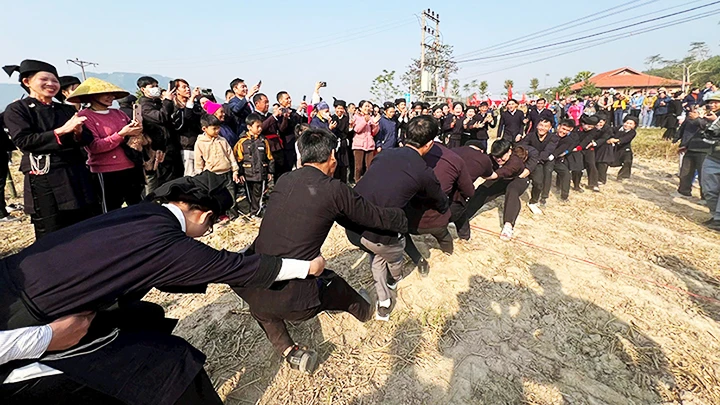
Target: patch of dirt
496, 322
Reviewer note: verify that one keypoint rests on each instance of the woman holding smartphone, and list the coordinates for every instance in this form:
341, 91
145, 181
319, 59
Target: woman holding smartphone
363, 145
111, 159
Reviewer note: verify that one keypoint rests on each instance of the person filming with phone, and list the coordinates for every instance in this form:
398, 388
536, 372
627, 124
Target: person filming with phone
240, 106
115, 163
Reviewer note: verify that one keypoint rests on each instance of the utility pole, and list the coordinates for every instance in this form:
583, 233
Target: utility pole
430, 40
82, 65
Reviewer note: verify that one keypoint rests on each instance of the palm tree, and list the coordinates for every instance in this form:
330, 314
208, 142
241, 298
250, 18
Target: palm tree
534, 84
584, 75
482, 87
508, 84
564, 86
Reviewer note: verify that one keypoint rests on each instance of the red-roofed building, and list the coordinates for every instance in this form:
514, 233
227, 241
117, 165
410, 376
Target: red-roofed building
627, 78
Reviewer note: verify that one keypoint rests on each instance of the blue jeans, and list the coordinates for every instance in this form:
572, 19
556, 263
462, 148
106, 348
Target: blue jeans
647, 118
711, 185
618, 117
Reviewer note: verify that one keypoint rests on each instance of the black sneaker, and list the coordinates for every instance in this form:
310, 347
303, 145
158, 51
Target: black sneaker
392, 282
9, 218
578, 190
543, 202
423, 268
714, 225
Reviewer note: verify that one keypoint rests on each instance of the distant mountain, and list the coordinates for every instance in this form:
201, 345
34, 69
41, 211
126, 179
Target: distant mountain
124, 80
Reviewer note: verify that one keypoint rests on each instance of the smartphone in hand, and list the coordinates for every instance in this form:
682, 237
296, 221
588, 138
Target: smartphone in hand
137, 114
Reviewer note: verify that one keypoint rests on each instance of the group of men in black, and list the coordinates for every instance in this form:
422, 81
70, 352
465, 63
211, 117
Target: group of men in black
73, 326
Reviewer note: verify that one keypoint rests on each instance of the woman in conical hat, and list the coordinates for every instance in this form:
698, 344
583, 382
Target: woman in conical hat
118, 169
58, 189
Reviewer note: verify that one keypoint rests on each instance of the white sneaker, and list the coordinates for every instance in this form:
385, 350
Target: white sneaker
507, 233
535, 209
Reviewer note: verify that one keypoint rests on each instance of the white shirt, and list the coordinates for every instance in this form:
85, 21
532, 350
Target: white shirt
32, 342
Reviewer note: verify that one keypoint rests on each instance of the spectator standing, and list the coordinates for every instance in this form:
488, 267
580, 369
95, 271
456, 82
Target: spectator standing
693, 150
256, 161
363, 146
711, 165
166, 162
58, 191
661, 108
213, 153
387, 135
636, 103
186, 121
240, 106
117, 165
226, 130
648, 111
342, 132
692, 100
619, 107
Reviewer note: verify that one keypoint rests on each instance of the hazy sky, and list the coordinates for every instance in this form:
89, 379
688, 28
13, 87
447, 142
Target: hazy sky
292, 44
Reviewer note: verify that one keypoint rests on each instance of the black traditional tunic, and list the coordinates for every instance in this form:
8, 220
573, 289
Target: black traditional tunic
102, 262
31, 125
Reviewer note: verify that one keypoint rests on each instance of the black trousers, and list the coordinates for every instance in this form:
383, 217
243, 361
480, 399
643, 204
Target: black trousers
590, 167
61, 390
456, 211
279, 162
512, 189
48, 217
691, 163
602, 169
541, 179
660, 120
4, 171
563, 177
254, 191
335, 295
341, 173
625, 163
116, 188
442, 235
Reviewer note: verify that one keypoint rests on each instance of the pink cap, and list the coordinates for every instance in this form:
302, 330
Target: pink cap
211, 107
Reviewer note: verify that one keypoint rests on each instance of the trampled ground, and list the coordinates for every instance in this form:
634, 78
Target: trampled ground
499, 323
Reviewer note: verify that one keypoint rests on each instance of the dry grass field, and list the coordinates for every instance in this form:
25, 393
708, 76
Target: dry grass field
610, 298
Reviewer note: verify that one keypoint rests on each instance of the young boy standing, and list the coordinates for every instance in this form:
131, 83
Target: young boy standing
256, 161
213, 153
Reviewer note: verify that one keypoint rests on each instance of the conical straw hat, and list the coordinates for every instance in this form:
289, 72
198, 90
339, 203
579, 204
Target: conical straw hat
94, 85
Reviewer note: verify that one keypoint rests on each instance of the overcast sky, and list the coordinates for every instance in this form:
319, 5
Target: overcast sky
290, 45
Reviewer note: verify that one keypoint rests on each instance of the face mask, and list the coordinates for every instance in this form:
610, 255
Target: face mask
154, 92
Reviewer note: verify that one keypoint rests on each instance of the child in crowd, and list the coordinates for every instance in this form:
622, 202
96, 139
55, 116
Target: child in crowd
256, 161
213, 153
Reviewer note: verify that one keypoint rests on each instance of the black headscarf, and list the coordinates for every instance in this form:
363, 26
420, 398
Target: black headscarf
207, 189
28, 67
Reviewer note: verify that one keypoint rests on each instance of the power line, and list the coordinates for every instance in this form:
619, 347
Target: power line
561, 27
575, 33
352, 34
81, 64
290, 51
616, 38
590, 35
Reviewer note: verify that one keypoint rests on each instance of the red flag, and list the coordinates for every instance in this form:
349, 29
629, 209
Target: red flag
509, 92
